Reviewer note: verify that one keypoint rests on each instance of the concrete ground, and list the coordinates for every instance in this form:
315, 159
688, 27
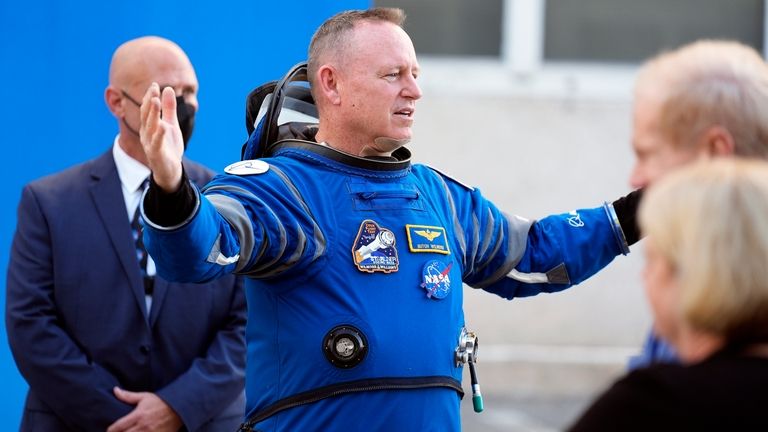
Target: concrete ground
528, 397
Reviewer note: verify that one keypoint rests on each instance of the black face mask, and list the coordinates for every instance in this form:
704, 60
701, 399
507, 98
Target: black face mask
184, 112
186, 115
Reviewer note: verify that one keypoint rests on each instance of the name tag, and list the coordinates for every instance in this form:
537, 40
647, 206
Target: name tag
425, 238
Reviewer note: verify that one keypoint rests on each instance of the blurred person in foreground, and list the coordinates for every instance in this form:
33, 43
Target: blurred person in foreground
355, 257
704, 100
103, 342
706, 280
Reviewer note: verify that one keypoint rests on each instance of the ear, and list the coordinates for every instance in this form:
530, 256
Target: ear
114, 100
328, 83
717, 141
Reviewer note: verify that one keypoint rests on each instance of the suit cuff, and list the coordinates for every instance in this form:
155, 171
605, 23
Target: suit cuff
169, 211
625, 209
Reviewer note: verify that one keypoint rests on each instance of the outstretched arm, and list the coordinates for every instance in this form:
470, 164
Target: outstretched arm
515, 257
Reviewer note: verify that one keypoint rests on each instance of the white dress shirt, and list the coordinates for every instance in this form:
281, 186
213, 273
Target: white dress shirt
132, 174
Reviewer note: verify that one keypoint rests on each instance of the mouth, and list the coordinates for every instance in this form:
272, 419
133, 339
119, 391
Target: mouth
405, 113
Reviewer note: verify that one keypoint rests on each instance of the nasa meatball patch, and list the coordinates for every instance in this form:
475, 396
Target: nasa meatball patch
437, 279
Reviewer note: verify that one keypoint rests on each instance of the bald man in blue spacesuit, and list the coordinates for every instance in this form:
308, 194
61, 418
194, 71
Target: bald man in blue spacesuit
355, 257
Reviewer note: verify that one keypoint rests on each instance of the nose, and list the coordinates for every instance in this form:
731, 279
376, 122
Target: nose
412, 89
638, 178
191, 99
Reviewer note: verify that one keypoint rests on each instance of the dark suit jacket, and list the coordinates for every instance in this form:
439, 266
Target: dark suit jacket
77, 322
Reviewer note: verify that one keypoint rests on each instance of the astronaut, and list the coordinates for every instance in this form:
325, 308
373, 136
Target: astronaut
355, 256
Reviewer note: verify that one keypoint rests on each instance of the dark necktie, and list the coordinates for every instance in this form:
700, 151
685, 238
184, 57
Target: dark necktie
137, 225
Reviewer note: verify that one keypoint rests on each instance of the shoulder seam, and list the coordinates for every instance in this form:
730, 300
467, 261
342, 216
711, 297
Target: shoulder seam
449, 177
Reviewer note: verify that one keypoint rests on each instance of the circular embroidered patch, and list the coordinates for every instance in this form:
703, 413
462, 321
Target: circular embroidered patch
436, 279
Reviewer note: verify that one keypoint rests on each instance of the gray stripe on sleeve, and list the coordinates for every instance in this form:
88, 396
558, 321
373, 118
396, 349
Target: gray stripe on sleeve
517, 240
529, 278
301, 244
456, 225
488, 234
557, 275
470, 268
519, 228
237, 190
256, 271
264, 269
215, 256
496, 245
317, 235
234, 212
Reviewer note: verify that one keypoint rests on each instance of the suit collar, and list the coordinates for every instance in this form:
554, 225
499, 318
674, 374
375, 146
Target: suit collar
131, 172
399, 161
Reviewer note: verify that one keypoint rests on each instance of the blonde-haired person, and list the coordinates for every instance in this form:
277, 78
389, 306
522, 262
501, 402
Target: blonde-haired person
704, 100
706, 280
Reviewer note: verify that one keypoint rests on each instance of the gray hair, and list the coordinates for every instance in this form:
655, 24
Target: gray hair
710, 83
333, 33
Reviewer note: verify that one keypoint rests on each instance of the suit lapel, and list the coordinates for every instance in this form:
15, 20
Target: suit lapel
161, 289
106, 192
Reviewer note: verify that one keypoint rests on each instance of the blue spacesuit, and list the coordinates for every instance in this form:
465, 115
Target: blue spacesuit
655, 351
355, 269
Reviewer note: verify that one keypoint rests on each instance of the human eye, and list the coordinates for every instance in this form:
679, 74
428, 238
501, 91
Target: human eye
391, 76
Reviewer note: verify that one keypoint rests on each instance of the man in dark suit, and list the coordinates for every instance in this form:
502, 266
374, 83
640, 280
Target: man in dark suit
102, 342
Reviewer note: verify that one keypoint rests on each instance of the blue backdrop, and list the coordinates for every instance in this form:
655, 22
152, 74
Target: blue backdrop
54, 62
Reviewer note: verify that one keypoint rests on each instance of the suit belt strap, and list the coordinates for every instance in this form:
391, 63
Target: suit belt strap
365, 385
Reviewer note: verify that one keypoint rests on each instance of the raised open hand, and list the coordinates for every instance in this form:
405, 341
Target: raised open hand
161, 137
